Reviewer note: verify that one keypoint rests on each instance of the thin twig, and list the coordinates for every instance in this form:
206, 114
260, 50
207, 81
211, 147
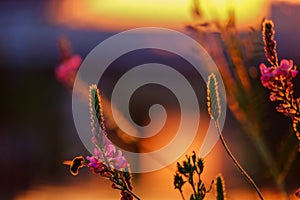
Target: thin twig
248, 178
182, 195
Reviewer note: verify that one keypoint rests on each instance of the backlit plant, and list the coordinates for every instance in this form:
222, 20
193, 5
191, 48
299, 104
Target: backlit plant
278, 79
110, 163
107, 161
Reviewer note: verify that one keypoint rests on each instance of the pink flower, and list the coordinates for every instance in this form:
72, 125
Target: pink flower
273, 97
105, 151
98, 153
109, 148
267, 74
96, 165
119, 161
94, 162
67, 70
110, 154
94, 139
286, 68
114, 157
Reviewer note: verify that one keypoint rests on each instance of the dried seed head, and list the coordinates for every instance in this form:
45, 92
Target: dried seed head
213, 99
220, 188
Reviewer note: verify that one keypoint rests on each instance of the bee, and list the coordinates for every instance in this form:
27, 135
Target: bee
75, 164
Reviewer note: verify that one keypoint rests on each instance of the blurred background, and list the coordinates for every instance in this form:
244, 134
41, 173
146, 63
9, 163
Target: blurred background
37, 128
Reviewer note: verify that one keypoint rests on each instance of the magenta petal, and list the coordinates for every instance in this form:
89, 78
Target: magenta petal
262, 68
294, 73
291, 63
94, 139
75, 62
284, 64
92, 159
273, 97
120, 161
110, 150
98, 153
68, 68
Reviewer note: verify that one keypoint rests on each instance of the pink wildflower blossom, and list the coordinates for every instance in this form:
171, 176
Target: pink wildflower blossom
267, 74
286, 70
109, 154
67, 70
278, 79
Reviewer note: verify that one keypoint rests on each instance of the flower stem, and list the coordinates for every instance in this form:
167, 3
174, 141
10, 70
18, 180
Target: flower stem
182, 196
240, 168
130, 192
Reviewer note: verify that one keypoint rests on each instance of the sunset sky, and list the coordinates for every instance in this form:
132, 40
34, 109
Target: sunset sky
116, 15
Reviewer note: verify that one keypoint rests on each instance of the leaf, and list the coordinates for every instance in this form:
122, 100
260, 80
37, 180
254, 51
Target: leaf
200, 165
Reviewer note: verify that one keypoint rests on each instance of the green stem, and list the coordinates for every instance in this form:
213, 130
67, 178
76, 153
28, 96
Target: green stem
125, 186
248, 178
193, 186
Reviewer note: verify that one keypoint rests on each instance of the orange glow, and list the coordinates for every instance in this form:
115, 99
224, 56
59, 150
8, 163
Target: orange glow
125, 14
287, 1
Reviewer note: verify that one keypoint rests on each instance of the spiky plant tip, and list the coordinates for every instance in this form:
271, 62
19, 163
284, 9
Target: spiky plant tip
269, 42
268, 25
200, 164
95, 103
220, 188
213, 99
178, 182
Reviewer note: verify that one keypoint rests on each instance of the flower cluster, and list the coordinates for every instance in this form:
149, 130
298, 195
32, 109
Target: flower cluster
278, 79
69, 65
106, 161
104, 151
271, 76
67, 69
114, 157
